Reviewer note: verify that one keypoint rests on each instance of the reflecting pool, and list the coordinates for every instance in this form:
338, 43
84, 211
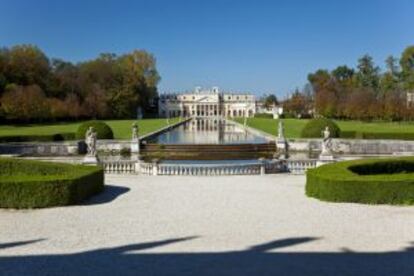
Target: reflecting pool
208, 131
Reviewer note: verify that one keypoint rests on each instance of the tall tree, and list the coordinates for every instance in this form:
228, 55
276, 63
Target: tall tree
3, 64
63, 80
390, 80
407, 67
27, 65
296, 104
368, 74
25, 103
270, 100
325, 94
343, 73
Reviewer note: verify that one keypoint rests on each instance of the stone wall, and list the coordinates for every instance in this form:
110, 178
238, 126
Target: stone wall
354, 146
71, 147
44, 148
345, 146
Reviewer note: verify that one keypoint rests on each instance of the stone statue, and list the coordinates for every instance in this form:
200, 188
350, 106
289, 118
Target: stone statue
327, 142
280, 130
281, 142
90, 140
135, 148
135, 130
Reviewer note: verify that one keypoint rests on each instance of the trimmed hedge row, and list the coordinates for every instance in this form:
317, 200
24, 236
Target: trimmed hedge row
38, 138
263, 115
377, 135
37, 184
371, 181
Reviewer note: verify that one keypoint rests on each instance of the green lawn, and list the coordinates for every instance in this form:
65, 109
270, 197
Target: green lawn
293, 127
121, 128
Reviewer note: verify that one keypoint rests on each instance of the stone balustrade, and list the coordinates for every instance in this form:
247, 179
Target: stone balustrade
301, 166
119, 166
264, 167
208, 170
145, 168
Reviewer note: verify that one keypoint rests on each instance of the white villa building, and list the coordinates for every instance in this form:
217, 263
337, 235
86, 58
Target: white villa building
207, 103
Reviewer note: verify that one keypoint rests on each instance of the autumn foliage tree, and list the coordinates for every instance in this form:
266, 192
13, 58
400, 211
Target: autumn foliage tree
365, 93
109, 86
25, 102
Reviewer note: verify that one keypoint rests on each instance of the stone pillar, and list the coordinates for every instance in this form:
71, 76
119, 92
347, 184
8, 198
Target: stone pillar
155, 167
262, 166
281, 142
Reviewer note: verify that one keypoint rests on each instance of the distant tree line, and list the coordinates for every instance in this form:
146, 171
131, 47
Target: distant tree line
362, 93
34, 87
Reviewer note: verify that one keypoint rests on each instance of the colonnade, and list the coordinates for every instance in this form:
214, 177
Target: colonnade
209, 110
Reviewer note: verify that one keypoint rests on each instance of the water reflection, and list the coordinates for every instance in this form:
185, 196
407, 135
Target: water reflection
208, 131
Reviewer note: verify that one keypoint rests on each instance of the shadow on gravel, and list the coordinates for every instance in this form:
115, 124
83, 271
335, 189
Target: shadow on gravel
20, 243
109, 194
127, 260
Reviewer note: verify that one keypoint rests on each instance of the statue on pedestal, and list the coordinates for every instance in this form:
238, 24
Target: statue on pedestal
135, 139
90, 140
280, 131
327, 142
91, 151
281, 142
135, 130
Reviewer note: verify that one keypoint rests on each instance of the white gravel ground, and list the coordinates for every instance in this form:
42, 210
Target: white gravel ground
235, 225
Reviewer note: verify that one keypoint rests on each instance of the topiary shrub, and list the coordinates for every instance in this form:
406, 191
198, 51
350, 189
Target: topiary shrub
38, 184
315, 127
371, 181
38, 137
102, 129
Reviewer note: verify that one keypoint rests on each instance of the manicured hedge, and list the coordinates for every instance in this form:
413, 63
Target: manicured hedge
377, 135
372, 181
102, 129
348, 134
388, 135
263, 115
37, 184
314, 128
38, 138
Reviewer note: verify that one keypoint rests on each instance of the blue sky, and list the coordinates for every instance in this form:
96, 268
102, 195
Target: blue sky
257, 46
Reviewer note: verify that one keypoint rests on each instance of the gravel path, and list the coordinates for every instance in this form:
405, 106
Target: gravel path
235, 225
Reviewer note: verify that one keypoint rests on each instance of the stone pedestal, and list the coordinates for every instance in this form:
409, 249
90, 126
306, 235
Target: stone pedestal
262, 166
281, 144
135, 157
155, 167
325, 159
135, 148
90, 160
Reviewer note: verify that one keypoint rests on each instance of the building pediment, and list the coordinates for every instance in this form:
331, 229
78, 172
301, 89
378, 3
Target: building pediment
206, 99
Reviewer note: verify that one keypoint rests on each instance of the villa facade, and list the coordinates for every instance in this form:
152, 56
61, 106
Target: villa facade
207, 103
